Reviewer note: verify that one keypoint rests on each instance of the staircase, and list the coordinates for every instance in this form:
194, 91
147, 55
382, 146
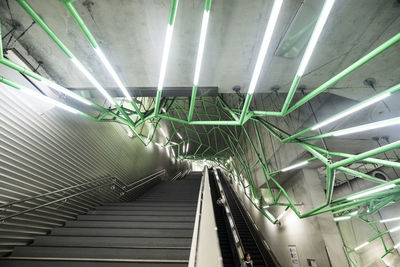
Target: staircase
154, 230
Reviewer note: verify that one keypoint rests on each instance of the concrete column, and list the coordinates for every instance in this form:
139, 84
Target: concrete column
329, 230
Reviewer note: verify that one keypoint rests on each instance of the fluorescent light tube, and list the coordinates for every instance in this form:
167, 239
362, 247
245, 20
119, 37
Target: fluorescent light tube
65, 91
361, 246
162, 131
341, 218
200, 51
354, 213
383, 188
369, 126
265, 44
112, 72
187, 148
315, 36
395, 229
92, 79
390, 220
159, 145
48, 100
173, 152
351, 110
270, 215
163, 110
164, 60
180, 136
282, 214
295, 166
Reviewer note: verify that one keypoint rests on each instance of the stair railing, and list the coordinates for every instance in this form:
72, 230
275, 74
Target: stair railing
30, 204
235, 232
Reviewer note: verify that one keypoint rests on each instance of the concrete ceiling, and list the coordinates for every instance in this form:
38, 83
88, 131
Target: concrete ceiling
131, 33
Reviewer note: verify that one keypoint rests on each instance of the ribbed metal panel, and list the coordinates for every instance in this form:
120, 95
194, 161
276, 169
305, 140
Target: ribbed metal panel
44, 149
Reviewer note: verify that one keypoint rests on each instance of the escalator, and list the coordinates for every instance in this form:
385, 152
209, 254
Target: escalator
226, 241
251, 241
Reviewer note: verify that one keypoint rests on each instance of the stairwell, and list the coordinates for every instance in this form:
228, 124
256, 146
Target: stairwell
154, 230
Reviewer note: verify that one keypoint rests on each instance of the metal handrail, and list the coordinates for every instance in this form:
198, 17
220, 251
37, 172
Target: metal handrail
235, 232
50, 193
52, 202
196, 228
114, 181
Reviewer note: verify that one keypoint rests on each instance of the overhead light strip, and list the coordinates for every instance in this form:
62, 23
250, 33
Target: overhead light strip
367, 127
295, 166
40, 97
167, 44
265, 44
200, 51
352, 110
114, 75
376, 190
92, 80
326, 9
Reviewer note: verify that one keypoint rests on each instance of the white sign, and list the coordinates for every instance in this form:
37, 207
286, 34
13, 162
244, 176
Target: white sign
294, 258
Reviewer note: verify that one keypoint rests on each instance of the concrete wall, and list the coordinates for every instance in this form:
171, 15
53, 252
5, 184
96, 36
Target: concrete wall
40, 141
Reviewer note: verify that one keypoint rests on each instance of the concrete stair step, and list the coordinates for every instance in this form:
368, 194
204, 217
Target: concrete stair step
122, 224
104, 241
138, 218
122, 232
143, 212
102, 253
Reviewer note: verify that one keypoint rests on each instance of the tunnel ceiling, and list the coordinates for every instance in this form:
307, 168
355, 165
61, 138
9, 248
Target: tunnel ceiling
132, 36
289, 58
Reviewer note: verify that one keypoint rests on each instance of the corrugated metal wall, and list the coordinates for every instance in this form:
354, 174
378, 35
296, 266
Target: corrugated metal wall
44, 149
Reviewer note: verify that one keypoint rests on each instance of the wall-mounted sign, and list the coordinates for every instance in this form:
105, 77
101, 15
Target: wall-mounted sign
294, 257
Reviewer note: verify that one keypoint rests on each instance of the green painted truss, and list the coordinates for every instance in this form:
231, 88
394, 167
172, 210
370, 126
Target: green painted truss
208, 128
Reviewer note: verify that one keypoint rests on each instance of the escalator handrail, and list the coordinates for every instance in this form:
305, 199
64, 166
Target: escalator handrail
235, 232
241, 208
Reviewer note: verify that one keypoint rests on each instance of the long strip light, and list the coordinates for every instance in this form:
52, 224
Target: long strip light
265, 44
282, 214
89, 76
376, 190
295, 166
367, 127
395, 229
164, 60
65, 91
179, 135
341, 218
326, 9
361, 246
351, 111
200, 51
114, 75
389, 220
270, 215
48, 100
163, 132
187, 148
